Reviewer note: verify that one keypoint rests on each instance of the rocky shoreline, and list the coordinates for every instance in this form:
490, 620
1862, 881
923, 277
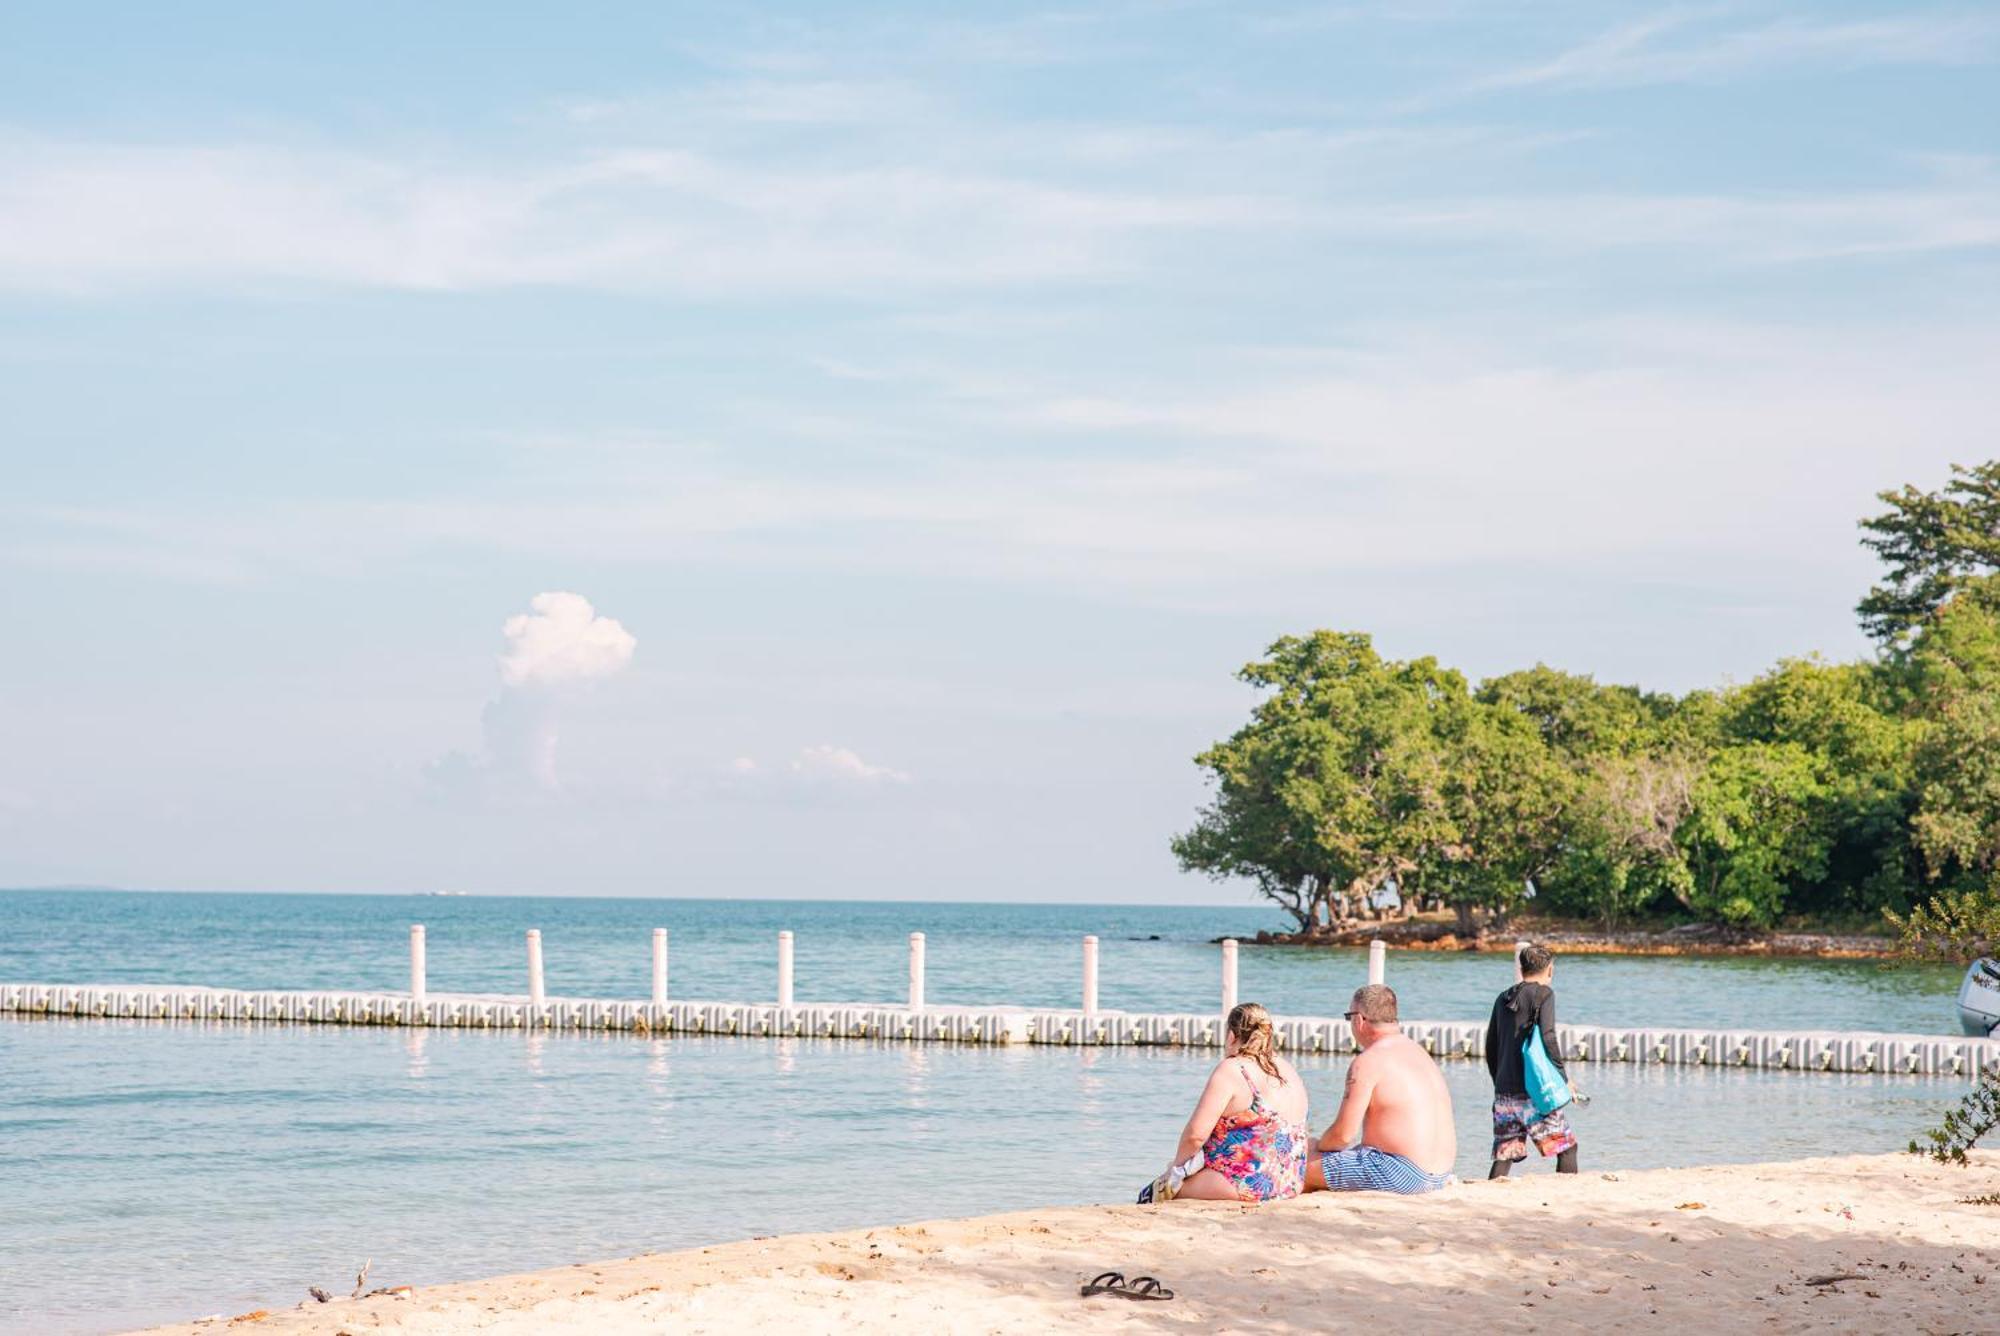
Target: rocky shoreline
1691, 940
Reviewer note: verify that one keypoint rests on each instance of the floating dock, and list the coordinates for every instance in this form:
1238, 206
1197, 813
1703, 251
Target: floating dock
1806, 1051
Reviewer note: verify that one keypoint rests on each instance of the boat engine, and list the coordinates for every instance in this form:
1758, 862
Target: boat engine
1979, 998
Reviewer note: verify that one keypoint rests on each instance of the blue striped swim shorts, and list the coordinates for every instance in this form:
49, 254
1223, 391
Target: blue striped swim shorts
1366, 1169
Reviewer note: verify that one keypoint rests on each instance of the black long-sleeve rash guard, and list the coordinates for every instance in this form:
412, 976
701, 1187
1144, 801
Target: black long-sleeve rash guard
1516, 1012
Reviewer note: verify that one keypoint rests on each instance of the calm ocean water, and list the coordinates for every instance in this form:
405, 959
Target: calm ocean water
158, 1171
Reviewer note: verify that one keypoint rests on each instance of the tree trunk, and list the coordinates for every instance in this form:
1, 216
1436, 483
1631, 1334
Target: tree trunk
1322, 912
1465, 924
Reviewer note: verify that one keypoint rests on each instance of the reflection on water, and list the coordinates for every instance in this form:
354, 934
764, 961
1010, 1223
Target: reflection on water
298, 1151
916, 1060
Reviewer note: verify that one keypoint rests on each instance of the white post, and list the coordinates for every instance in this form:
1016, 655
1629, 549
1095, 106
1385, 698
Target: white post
1519, 947
916, 971
784, 969
1228, 976
1090, 976
535, 995
659, 967
1378, 960
417, 963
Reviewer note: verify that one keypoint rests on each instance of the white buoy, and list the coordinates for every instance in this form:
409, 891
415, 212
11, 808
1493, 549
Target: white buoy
535, 994
659, 966
1378, 960
916, 971
1519, 947
1228, 976
417, 963
1090, 976
784, 969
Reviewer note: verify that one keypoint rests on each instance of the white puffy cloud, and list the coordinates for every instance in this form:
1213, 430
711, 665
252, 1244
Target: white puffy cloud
559, 645
839, 765
563, 640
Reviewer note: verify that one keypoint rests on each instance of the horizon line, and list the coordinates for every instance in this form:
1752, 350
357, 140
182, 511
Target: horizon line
74, 889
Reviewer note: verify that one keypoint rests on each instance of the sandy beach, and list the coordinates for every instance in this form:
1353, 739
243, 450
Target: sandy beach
1728, 1248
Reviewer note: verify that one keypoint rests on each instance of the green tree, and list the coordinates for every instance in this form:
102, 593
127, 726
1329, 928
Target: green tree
1955, 926
1577, 718
1336, 783
1954, 670
1933, 543
1750, 830
1621, 856
1852, 722
1506, 802
1605, 845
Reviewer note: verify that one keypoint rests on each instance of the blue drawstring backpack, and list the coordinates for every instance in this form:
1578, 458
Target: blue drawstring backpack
1546, 1088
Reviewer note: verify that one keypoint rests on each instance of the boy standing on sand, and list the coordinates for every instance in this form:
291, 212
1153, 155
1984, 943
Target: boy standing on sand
1516, 1013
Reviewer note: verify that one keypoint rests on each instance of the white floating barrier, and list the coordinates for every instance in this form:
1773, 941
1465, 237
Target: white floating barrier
1809, 1051
1806, 1051
1378, 960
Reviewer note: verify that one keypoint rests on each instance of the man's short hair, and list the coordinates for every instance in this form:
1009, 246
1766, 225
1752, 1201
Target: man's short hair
1536, 959
1377, 1003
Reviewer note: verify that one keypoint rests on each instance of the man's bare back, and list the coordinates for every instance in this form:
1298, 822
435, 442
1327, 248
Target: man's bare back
1409, 1106
1393, 1132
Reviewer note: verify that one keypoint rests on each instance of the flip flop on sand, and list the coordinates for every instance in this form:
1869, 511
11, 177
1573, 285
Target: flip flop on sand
1139, 1287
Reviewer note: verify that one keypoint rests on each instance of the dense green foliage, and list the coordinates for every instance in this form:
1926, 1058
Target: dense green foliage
1819, 790
1932, 543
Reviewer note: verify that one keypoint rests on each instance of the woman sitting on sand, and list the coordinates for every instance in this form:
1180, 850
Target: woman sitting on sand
1248, 1132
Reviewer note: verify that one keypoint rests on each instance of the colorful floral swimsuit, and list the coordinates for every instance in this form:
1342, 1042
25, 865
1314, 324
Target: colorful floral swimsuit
1259, 1152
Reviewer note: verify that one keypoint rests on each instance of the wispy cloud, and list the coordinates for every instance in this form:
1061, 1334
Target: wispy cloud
822, 772
828, 764
1275, 480
91, 217
97, 218
1704, 45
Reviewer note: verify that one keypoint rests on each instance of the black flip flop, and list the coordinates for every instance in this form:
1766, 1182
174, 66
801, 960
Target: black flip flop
1139, 1287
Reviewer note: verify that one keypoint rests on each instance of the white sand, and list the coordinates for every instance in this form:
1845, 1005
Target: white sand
1727, 1248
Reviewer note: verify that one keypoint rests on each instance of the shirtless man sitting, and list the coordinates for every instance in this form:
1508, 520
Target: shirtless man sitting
1396, 1107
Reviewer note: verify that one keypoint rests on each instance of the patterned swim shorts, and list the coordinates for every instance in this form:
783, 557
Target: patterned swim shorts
1515, 1125
1367, 1169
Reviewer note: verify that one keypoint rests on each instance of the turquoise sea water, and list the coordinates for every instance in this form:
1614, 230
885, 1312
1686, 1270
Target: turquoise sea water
155, 1171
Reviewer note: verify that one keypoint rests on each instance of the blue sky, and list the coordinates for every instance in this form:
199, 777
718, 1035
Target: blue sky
942, 401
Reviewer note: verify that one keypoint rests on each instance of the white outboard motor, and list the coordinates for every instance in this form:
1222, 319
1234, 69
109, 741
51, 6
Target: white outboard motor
1979, 997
